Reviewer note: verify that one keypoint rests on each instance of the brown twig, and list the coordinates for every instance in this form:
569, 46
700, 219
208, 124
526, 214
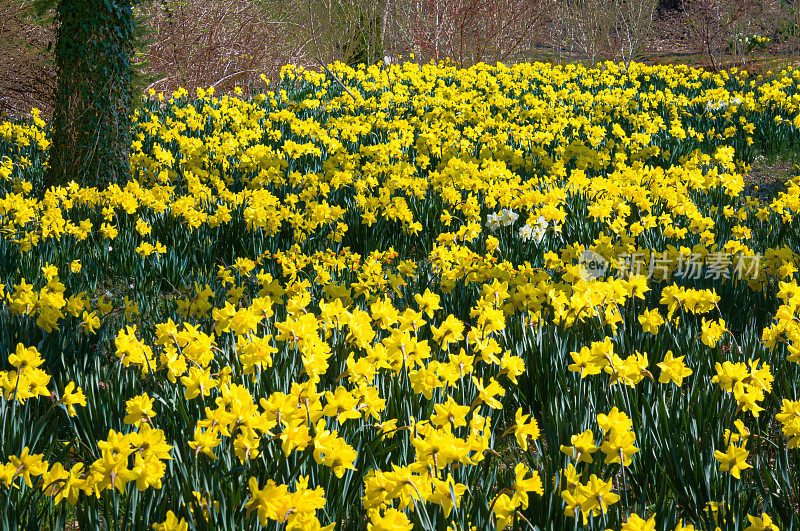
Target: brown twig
328, 70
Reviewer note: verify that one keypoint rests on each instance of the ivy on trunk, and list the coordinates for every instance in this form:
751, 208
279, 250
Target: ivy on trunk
91, 134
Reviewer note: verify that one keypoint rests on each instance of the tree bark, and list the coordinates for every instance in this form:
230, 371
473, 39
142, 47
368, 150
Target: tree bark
91, 134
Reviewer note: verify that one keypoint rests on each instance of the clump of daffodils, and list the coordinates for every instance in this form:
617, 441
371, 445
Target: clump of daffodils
302, 319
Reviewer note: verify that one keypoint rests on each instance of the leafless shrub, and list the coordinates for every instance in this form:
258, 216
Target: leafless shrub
424, 28
710, 23
220, 43
632, 26
602, 29
509, 27
467, 31
585, 26
350, 31
26, 68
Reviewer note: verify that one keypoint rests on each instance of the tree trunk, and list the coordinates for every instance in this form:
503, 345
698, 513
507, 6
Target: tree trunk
91, 135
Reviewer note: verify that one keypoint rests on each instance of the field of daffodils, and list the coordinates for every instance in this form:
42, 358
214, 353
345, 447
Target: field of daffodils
411, 296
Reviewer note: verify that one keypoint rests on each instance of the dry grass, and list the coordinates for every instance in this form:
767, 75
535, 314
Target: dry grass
768, 176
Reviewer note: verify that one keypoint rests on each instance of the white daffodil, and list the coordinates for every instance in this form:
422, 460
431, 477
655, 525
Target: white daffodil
508, 217
492, 222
